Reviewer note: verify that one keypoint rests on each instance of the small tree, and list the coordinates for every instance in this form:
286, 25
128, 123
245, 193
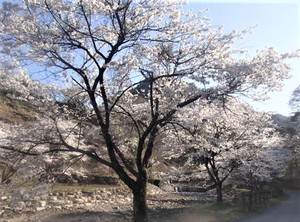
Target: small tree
264, 166
223, 138
295, 100
293, 126
290, 129
108, 48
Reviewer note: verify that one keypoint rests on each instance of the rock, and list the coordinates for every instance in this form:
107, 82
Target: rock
40, 208
98, 197
152, 189
54, 198
116, 208
57, 207
88, 193
127, 199
41, 203
71, 196
89, 205
79, 201
167, 187
68, 206
6, 207
57, 202
4, 198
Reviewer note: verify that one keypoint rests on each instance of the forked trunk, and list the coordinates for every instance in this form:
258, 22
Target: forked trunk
140, 213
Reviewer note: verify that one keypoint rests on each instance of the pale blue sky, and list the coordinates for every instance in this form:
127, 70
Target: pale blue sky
277, 25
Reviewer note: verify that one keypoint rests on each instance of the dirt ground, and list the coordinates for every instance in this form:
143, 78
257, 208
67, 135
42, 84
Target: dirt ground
167, 215
163, 208
168, 209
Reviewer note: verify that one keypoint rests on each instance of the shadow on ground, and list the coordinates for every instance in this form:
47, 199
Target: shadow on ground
286, 211
165, 215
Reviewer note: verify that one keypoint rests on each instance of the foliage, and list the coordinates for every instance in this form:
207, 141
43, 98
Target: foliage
265, 166
218, 141
15, 83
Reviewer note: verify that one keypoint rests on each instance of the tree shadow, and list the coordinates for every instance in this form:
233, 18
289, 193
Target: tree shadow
155, 215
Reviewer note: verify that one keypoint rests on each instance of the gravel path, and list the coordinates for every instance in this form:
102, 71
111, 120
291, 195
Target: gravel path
287, 211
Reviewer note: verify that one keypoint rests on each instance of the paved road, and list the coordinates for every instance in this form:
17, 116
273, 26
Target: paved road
287, 211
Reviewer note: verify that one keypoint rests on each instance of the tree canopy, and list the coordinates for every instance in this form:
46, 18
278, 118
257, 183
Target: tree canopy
108, 48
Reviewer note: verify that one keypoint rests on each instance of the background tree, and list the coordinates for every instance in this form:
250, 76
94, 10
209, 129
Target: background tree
220, 139
293, 132
109, 47
264, 166
295, 100
290, 129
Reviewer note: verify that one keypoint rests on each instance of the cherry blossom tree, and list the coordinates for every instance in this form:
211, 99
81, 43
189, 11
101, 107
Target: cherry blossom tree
264, 166
221, 139
293, 125
111, 48
15, 83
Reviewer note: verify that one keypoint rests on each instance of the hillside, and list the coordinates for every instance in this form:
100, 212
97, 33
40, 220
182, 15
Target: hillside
13, 111
18, 112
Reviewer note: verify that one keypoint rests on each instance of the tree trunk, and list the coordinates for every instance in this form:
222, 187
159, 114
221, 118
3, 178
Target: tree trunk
219, 193
140, 204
